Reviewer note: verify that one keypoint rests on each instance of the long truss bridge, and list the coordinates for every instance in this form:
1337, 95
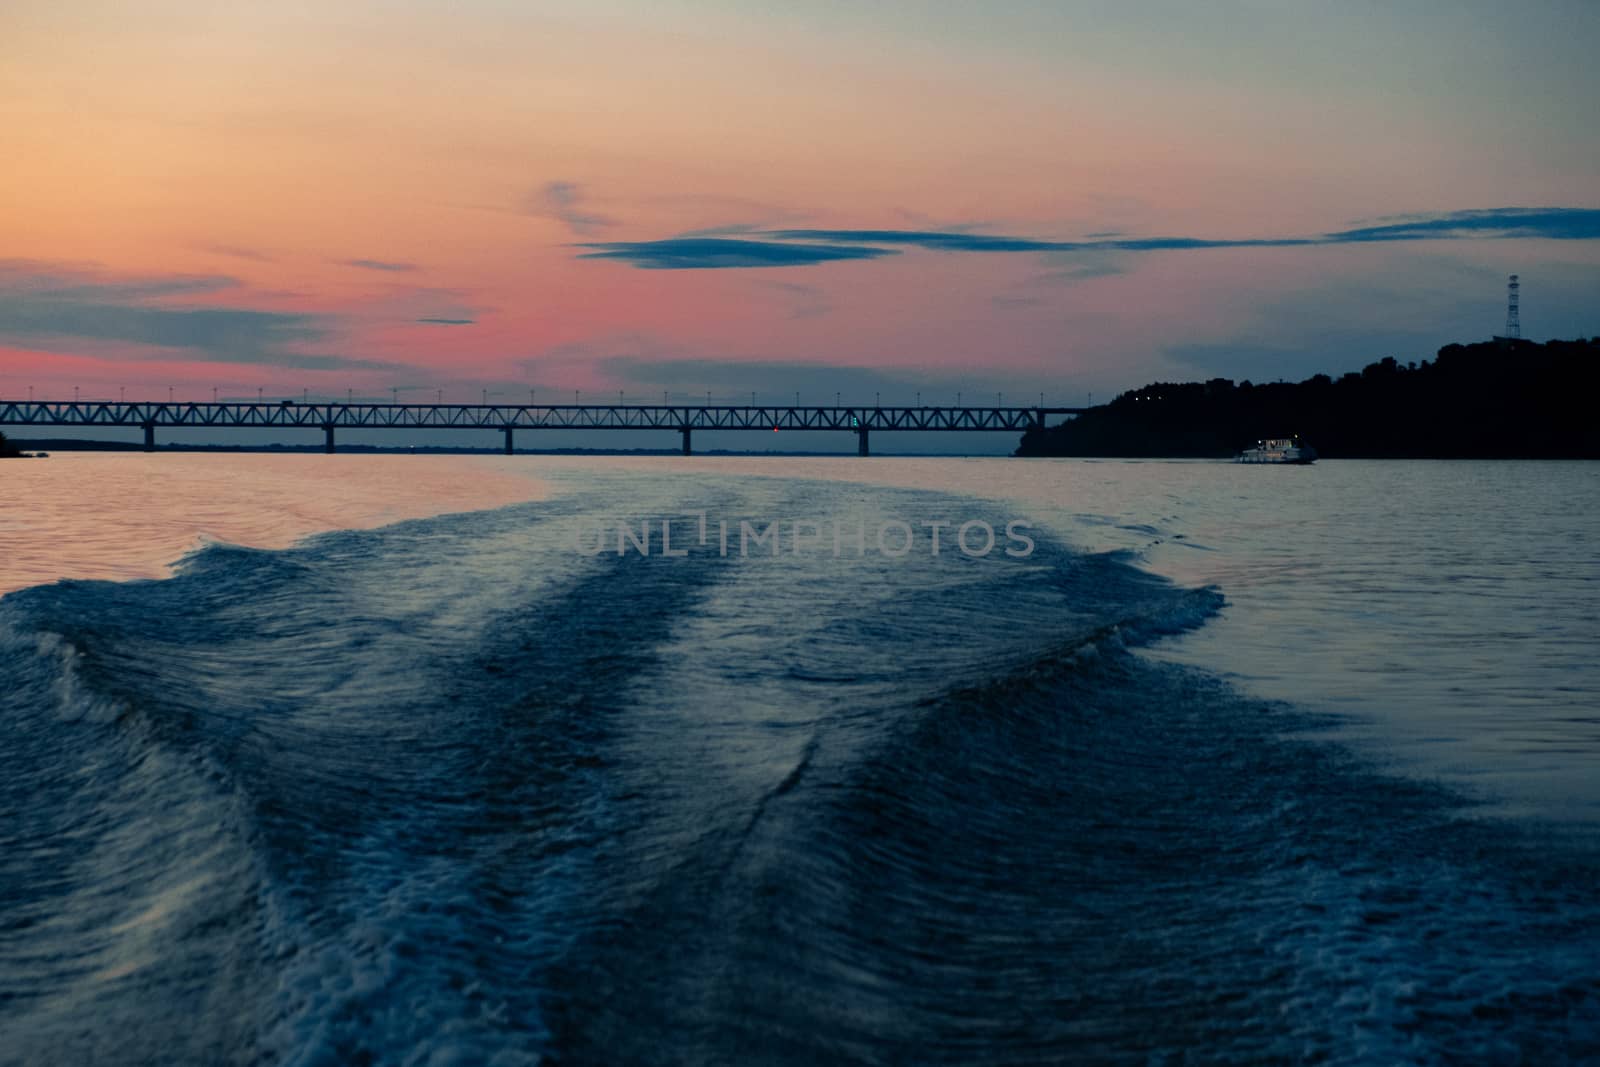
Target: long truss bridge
684, 419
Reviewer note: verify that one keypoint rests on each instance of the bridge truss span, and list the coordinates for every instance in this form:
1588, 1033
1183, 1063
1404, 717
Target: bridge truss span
509, 418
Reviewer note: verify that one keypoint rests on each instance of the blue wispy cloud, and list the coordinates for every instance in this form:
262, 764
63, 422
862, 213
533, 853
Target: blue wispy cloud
41, 280
1493, 223
447, 322
61, 308
800, 247
237, 252
379, 264
702, 253
931, 239
563, 201
1552, 223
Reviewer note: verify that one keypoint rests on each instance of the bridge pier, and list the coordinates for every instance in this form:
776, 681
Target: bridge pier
684, 430
507, 431
327, 445
861, 442
149, 436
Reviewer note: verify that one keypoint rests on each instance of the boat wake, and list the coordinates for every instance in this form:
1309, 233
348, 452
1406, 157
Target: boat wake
452, 791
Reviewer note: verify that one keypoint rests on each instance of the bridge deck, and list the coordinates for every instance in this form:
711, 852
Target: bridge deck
321, 415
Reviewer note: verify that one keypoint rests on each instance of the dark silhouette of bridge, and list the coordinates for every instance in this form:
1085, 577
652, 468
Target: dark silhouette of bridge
509, 418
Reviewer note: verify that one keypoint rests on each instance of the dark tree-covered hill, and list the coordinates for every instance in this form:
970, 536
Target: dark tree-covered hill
1497, 399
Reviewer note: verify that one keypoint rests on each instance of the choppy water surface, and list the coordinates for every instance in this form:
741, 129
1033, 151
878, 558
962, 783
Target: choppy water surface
453, 791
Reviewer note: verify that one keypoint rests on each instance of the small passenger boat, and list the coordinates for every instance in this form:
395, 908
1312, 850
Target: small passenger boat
1278, 450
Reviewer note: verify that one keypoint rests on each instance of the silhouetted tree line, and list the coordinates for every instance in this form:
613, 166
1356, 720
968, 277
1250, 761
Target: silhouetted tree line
7, 449
1497, 399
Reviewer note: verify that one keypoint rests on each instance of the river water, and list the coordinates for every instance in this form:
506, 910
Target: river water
376, 759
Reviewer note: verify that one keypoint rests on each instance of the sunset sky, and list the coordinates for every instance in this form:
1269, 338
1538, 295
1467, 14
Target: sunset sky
819, 197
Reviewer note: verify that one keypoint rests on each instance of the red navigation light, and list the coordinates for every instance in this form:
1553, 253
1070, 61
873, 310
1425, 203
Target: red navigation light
774, 429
